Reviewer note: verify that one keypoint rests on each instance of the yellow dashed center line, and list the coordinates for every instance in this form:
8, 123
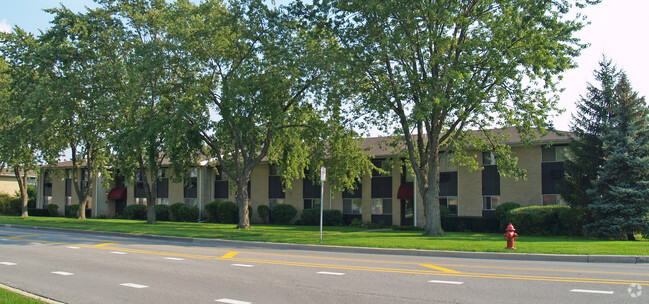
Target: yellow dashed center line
229, 255
442, 269
106, 244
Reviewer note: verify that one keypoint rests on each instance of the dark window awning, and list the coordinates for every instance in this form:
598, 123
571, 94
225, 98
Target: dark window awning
406, 191
117, 193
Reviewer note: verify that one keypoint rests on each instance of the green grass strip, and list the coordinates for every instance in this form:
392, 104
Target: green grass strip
348, 236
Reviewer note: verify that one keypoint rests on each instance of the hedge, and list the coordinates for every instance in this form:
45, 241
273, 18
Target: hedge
71, 211
174, 212
329, 217
470, 223
227, 212
212, 215
135, 212
282, 214
38, 212
161, 213
503, 210
546, 220
53, 209
10, 205
263, 212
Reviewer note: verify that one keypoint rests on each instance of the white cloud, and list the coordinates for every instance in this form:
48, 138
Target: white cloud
4, 26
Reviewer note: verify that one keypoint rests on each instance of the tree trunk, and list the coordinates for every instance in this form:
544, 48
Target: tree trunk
431, 197
242, 203
150, 213
82, 208
22, 185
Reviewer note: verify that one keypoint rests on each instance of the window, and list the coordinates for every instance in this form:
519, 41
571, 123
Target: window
190, 191
221, 186
46, 201
488, 158
311, 203
490, 202
554, 153
381, 206
383, 164
191, 202
450, 202
274, 202
552, 199
140, 201
162, 201
352, 206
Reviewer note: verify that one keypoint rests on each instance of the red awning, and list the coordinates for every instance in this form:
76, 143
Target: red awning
406, 191
117, 193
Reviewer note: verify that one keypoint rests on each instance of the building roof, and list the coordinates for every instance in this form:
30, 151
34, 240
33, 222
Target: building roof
382, 146
8, 172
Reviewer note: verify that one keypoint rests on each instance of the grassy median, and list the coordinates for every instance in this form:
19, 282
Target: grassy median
348, 236
7, 296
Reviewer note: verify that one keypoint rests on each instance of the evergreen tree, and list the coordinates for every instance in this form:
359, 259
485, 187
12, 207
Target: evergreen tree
621, 191
588, 126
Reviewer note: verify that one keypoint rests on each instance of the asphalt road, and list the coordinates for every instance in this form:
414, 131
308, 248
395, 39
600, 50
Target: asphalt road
87, 268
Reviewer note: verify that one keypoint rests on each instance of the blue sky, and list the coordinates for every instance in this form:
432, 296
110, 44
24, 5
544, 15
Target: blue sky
618, 29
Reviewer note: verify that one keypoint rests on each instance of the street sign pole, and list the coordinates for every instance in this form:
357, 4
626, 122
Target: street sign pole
323, 178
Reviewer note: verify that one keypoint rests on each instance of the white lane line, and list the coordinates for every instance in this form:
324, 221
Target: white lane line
446, 282
608, 292
230, 301
63, 273
331, 273
243, 265
73, 247
118, 252
4, 240
175, 259
35, 243
133, 285
8, 263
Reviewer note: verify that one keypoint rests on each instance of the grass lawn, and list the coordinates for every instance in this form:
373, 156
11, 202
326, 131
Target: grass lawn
7, 296
348, 236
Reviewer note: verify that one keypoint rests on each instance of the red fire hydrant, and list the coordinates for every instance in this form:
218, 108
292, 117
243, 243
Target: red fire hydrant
511, 236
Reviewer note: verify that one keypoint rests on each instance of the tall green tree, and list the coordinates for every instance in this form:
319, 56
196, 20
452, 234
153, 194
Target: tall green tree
81, 57
588, 125
440, 68
621, 190
148, 128
24, 137
259, 73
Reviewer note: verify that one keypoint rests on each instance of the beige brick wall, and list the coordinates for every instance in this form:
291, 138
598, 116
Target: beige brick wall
526, 192
258, 188
469, 190
8, 185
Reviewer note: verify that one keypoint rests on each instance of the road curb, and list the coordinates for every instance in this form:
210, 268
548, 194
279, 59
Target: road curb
392, 251
29, 295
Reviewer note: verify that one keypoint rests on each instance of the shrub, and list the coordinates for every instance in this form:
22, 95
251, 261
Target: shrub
38, 212
310, 217
503, 209
191, 214
212, 215
162, 213
332, 218
282, 214
135, 212
174, 212
356, 223
444, 211
71, 210
546, 220
263, 212
470, 223
10, 205
183, 214
227, 212
53, 209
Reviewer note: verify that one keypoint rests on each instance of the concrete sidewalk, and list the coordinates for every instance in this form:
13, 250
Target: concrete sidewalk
411, 252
